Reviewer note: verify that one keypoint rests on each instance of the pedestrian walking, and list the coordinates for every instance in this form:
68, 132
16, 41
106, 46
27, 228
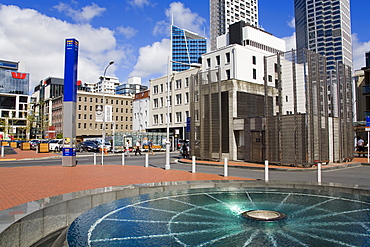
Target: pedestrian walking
127, 147
138, 147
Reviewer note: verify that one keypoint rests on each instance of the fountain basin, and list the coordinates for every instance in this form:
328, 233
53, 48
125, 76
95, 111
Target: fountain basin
213, 217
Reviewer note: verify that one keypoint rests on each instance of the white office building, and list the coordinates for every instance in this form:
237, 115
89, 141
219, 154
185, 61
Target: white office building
179, 103
223, 13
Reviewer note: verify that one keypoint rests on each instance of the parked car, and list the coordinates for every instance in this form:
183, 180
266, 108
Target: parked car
87, 146
55, 145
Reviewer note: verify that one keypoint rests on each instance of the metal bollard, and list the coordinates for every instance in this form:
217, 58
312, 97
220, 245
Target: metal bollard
2, 151
146, 160
225, 168
319, 172
123, 158
94, 158
266, 170
193, 164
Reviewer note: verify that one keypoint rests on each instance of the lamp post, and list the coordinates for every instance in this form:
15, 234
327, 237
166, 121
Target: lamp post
103, 130
168, 143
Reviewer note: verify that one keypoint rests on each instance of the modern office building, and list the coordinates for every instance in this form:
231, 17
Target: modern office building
223, 13
187, 48
132, 86
325, 28
108, 85
14, 101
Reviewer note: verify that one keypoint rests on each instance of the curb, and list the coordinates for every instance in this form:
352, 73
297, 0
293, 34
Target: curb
262, 167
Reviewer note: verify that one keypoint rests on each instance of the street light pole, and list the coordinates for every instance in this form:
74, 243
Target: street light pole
103, 130
167, 165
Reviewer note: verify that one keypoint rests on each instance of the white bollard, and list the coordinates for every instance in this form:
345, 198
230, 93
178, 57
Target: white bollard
2, 151
266, 170
123, 158
146, 160
319, 172
193, 164
94, 158
225, 167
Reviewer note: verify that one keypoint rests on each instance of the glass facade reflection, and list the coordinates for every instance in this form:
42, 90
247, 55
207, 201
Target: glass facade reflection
14, 82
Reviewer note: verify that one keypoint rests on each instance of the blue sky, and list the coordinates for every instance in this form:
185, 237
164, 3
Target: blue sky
133, 33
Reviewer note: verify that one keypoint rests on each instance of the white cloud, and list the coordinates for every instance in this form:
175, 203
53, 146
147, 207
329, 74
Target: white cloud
153, 59
358, 52
182, 17
291, 23
128, 32
38, 41
290, 42
86, 14
139, 3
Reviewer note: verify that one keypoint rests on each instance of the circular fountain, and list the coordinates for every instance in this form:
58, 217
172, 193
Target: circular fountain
227, 217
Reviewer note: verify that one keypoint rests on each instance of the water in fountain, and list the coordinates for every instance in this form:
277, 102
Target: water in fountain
213, 217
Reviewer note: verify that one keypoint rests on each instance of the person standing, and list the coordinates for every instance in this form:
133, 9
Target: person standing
138, 147
150, 147
361, 147
127, 147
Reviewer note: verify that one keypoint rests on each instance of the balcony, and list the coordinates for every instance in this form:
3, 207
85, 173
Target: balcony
366, 90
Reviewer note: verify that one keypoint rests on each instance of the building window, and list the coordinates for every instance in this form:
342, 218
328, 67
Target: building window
79, 107
79, 116
161, 119
155, 119
254, 59
79, 125
187, 82
161, 102
227, 57
178, 84
208, 62
155, 102
270, 78
228, 74
161, 88
218, 60
254, 74
186, 97
155, 89
178, 117
178, 99
91, 108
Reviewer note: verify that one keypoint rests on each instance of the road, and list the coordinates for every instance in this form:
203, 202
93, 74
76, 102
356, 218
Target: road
359, 175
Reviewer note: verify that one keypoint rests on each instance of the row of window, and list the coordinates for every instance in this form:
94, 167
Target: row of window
100, 126
79, 116
159, 118
160, 102
91, 108
89, 99
179, 83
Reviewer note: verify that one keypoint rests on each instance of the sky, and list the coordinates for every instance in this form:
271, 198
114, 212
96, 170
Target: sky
132, 33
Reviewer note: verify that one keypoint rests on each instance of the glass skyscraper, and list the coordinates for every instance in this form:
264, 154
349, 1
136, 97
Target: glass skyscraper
187, 48
223, 13
324, 26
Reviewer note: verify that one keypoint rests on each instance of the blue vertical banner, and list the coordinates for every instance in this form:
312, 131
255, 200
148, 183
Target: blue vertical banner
70, 70
188, 124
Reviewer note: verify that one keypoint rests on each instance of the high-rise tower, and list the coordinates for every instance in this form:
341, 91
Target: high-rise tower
226, 12
187, 48
324, 26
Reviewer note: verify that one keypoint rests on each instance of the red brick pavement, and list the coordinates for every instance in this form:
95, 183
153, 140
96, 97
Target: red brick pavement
24, 184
